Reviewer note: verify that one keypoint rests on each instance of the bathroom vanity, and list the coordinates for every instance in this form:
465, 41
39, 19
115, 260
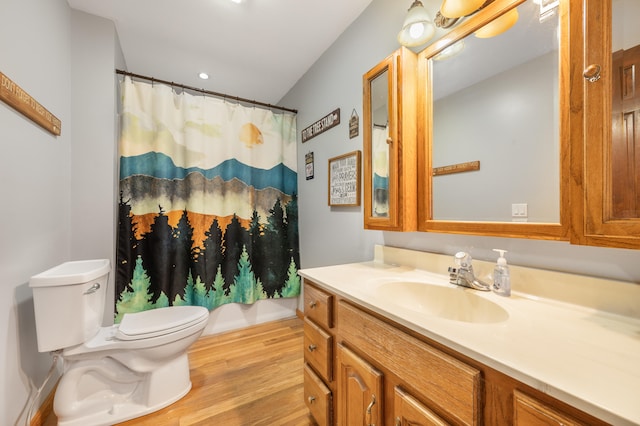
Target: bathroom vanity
391, 342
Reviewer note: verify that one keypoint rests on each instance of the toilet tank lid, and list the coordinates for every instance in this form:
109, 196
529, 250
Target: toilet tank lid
70, 273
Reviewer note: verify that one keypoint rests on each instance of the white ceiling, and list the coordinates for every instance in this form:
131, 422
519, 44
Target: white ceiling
256, 50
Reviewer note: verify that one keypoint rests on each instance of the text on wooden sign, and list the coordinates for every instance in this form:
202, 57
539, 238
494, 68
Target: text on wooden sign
325, 123
14, 96
456, 168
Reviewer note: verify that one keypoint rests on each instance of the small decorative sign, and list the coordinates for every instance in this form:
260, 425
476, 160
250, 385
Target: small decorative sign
308, 165
344, 180
354, 125
456, 168
322, 125
14, 96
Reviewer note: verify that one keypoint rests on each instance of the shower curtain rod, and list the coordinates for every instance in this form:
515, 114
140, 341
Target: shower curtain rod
208, 92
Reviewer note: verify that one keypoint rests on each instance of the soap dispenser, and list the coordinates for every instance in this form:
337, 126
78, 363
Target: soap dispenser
501, 277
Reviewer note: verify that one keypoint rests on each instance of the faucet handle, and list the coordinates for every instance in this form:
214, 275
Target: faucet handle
463, 259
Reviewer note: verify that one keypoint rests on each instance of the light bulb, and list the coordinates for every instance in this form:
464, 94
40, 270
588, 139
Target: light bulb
416, 30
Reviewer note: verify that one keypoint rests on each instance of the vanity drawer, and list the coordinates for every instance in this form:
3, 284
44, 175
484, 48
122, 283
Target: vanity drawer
532, 412
317, 397
318, 349
451, 386
318, 305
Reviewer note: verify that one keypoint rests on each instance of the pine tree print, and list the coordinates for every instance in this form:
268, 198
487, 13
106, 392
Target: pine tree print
136, 296
244, 284
200, 294
219, 296
292, 285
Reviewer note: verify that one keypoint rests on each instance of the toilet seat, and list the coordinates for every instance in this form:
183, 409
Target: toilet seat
159, 322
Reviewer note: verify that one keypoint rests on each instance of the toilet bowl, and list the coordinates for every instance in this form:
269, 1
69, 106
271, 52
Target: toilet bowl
115, 373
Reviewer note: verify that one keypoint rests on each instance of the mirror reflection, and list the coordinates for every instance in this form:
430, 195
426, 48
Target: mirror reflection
625, 137
496, 104
379, 145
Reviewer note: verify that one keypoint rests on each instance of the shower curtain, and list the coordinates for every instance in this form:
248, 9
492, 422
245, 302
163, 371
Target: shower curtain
208, 209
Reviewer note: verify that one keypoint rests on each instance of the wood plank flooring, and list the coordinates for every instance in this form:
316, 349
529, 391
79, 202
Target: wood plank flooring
248, 377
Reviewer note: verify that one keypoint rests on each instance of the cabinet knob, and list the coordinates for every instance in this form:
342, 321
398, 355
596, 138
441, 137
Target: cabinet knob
592, 73
312, 348
313, 304
389, 141
311, 399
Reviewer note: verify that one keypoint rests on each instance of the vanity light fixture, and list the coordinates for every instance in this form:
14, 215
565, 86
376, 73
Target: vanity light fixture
499, 25
417, 28
459, 8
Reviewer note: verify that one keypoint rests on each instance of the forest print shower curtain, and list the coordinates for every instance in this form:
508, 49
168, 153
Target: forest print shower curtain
208, 205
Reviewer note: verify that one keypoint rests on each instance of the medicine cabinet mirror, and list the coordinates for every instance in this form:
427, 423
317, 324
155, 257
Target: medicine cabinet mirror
390, 103
492, 156
380, 145
610, 125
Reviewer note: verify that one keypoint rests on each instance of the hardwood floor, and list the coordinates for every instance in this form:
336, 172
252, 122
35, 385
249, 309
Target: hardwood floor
247, 377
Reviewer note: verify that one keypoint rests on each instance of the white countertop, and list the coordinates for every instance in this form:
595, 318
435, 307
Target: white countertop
587, 358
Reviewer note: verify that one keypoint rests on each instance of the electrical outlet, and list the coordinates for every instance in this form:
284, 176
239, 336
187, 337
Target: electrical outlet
519, 211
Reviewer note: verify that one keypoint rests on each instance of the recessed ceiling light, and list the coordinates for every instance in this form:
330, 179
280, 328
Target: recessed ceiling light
203, 75
237, 1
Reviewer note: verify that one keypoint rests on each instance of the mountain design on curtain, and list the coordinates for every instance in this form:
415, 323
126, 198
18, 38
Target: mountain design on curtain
208, 210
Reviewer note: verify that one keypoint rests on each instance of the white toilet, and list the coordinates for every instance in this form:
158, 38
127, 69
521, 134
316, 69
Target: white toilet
111, 374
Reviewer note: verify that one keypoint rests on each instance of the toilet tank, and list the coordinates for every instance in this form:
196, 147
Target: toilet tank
69, 302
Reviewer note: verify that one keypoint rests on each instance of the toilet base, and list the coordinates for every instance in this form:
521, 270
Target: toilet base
104, 391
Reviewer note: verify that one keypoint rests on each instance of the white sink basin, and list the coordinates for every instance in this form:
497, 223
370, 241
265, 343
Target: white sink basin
453, 303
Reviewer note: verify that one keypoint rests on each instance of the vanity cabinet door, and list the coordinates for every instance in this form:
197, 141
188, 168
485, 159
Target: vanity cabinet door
360, 390
390, 128
407, 411
607, 197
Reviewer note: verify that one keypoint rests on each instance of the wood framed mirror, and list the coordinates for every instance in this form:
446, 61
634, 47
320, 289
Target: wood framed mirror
606, 165
493, 125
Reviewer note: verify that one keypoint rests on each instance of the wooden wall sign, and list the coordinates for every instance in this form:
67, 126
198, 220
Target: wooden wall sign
325, 123
354, 125
21, 101
344, 180
456, 168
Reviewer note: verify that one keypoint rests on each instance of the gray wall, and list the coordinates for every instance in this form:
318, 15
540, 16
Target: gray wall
35, 171
58, 192
93, 150
336, 235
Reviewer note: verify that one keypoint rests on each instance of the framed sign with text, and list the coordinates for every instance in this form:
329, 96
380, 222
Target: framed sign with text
344, 180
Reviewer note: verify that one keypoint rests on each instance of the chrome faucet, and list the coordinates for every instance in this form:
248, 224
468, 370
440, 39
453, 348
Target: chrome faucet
462, 274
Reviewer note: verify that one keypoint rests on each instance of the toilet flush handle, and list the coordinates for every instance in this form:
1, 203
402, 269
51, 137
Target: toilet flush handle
93, 289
